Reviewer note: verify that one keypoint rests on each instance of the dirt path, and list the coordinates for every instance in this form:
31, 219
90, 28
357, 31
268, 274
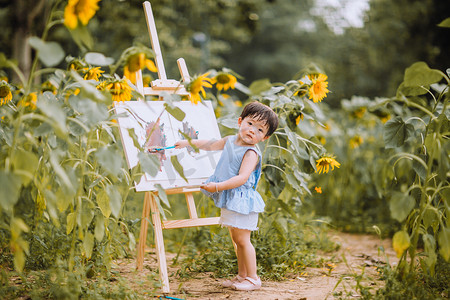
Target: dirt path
358, 255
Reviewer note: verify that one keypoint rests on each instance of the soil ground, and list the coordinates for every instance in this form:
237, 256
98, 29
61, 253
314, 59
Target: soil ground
358, 255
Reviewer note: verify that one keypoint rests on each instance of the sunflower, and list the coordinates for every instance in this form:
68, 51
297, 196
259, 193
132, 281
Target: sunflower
356, 141
29, 100
151, 65
322, 139
5, 92
135, 63
224, 81
300, 92
146, 80
324, 163
130, 75
48, 86
298, 119
93, 74
77, 65
385, 119
139, 61
119, 89
197, 85
359, 112
318, 89
318, 189
79, 10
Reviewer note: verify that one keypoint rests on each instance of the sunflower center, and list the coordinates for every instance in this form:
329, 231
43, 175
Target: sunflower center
195, 87
223, 78
317, 88
4, 91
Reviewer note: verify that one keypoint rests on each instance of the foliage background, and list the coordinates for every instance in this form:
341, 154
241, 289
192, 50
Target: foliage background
257, 39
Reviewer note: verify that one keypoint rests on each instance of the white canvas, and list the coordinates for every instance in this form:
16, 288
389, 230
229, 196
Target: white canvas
200, 122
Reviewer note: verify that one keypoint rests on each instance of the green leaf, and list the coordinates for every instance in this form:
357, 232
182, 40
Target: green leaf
27, 162
63, 199
88, 244
99, 231
396, 132
58, 170
287, 208
420, 74
19, 260
91, 112
115, 200
18, 226
400, 205
4, 62
53, 109
131, 241
110, 159
444, 243
43, 130
294, 142
162, 195
98, 59
175, 111
10, 188
259, 86
444, 163
88, 88
86, 216
103, 203
178, 167
430, 252
445, 23
71, 218
419, 168
280, 225
401, 242
82, 37
410, 90
149, 163
50, 53
228, 121
430, 218
290, 178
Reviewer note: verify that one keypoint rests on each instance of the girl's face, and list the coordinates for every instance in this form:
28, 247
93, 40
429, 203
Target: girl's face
251, 131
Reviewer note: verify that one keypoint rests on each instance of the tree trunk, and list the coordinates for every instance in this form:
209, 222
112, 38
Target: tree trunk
24, 14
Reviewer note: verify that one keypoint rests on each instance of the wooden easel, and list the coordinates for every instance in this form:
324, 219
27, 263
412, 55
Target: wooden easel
150, 205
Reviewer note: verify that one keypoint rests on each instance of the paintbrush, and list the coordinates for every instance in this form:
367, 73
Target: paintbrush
157, 149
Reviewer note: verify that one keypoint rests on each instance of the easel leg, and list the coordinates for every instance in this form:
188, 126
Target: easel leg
143, 232
159, 245
191, 206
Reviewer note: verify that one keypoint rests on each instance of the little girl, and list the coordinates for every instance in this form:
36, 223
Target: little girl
233, 185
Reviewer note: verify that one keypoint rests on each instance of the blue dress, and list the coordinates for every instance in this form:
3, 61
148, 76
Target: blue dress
243, 199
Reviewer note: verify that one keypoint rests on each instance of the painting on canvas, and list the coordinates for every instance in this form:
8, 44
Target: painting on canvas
157, 130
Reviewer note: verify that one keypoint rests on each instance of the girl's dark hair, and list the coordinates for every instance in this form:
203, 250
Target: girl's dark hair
263, 113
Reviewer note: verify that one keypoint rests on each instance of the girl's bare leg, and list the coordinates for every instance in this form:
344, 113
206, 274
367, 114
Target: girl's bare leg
245, 252
241, 267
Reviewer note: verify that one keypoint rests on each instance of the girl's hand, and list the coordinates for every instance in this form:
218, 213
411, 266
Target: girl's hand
210, 187
181, 144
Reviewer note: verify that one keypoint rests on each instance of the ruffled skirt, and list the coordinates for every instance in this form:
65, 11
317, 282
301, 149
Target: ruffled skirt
233, 219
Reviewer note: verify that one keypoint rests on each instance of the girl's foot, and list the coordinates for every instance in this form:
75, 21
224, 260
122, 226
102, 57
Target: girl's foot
248, 284
230, 282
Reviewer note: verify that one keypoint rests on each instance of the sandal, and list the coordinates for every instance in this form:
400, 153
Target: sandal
248, 284
230, 282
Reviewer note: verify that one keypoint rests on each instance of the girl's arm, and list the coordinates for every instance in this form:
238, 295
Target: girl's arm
208, 145
248, 164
